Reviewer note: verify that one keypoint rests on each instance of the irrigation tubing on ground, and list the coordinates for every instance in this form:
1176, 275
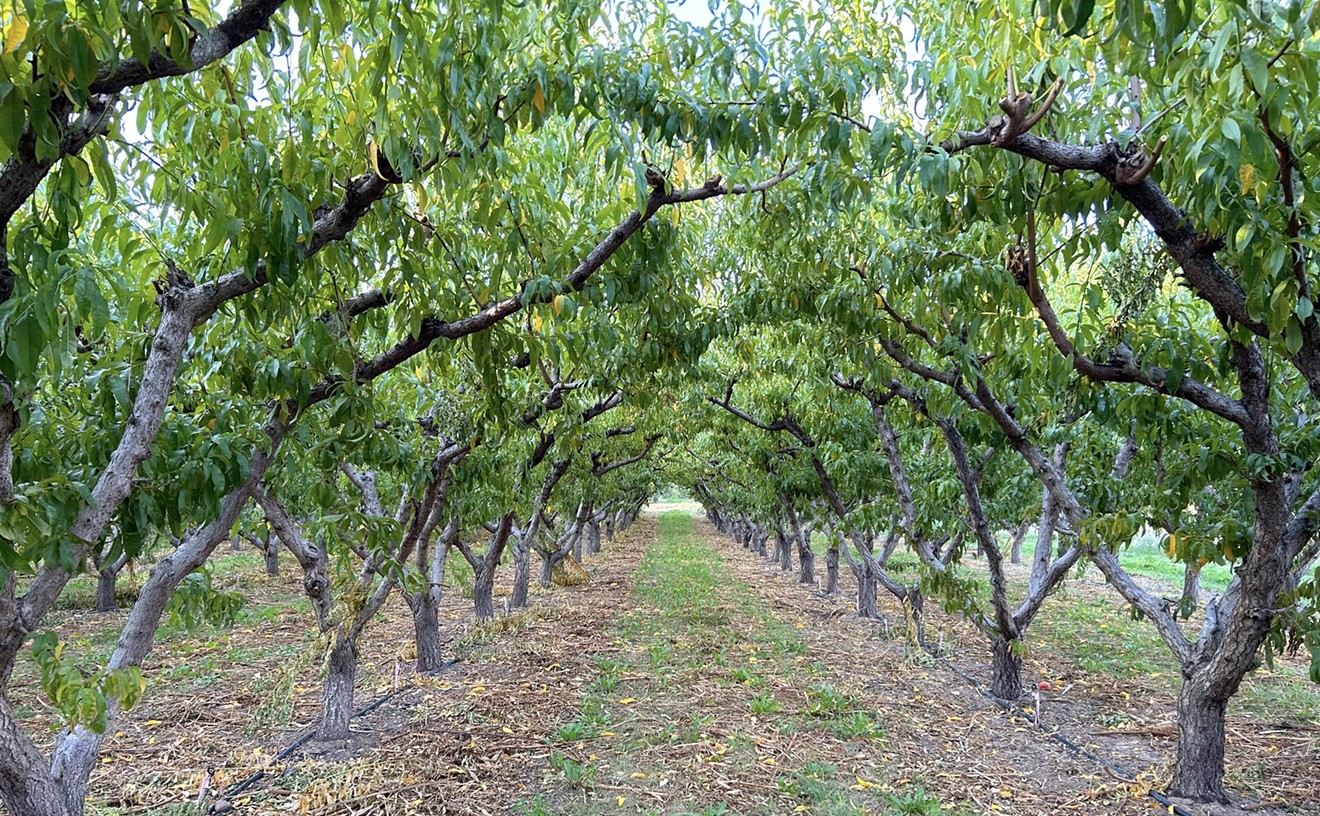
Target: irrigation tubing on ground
239, 787
1013, 708
1119, 772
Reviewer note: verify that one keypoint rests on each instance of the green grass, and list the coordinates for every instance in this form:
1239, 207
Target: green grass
692, 622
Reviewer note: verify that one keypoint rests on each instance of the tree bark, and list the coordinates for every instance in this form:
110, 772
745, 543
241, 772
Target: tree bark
832, 569
107, 576
806, 559
26, 785
1191, 592
1199, 771
548, 562
271, 555
105, 589
1005, 670
783, 550
593, 538
866, 590
1019, 536
337, 696
425, 607
483, 591
522, 574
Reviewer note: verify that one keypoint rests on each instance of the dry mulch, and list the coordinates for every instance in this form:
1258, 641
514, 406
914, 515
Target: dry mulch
476, 738
966, 749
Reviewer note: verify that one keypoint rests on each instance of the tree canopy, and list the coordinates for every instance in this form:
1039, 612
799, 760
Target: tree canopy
401, 279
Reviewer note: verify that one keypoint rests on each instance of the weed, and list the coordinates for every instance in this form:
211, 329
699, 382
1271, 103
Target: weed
744, 676
574, 732
916, 802
577, 774
763, 703
811, 783
856, 725
660, 654
824, 701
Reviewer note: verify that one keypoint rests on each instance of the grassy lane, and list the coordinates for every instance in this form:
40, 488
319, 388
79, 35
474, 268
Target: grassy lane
711, 705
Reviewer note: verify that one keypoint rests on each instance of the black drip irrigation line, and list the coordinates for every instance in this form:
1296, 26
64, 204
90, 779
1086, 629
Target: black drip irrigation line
1013, 708
1119, 772
239, 787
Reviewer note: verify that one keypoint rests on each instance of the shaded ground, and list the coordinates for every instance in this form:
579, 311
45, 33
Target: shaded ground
685, 677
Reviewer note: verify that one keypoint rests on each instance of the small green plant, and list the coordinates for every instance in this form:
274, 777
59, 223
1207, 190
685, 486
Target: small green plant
696, 727
809, 784
856, 725
764, 703
717, 809
578, 774
916, 802
574, 731
825, 701
611, 672
744, 676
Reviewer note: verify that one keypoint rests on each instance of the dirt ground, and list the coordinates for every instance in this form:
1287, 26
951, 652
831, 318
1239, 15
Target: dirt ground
490, 733
965, 747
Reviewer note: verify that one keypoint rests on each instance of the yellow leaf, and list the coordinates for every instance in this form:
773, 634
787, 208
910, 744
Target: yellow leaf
862, 784
627, 700
621, 801
538, 100
639, 775
1246, 175
506, 729
557, 304
15, 34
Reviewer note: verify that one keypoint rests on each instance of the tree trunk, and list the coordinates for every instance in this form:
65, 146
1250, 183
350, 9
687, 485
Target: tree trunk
609, 529
547, 568
1191, 593
832, 569
916, 603
1019, 536
1199, 771
425, 606
27, 788
483, 591
593, 538
271, 554
337, 697
577, 545
105, 589
522, 574
1005, 670
783, 550
806, 560
866, 587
